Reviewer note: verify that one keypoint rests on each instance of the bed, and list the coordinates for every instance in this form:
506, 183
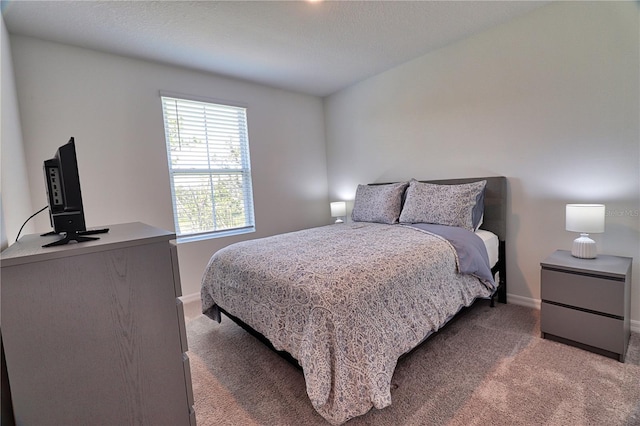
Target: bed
346, 301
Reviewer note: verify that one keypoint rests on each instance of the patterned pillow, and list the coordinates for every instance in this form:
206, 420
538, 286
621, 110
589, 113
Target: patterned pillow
454, 205
378, 203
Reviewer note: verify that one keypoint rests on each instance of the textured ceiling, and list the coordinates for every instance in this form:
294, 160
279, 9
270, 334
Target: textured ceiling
316, 48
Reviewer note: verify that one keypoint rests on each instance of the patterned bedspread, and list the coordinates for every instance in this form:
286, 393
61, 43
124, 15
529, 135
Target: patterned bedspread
345, 300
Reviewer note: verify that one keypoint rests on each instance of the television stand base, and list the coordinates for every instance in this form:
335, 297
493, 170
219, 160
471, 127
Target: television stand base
78, 236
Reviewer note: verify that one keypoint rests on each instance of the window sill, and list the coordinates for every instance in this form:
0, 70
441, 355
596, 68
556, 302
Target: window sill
216, 234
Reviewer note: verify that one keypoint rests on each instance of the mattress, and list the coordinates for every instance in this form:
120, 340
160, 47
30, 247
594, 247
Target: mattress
491, 242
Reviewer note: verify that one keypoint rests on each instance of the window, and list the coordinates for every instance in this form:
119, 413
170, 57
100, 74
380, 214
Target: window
208, 153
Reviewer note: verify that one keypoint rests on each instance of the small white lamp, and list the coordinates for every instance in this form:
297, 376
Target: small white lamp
339, 209
586, 219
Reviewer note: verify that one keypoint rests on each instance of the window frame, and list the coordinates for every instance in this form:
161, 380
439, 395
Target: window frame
244, 170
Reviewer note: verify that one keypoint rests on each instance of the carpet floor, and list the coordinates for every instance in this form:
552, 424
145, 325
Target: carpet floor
489, 366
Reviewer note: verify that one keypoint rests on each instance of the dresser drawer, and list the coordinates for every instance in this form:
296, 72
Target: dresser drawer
583, 291
176, 268
583, 327
187, 376
181, 326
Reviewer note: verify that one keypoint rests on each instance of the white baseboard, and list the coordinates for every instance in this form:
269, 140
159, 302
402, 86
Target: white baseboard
188, 298
535, 304
523, 301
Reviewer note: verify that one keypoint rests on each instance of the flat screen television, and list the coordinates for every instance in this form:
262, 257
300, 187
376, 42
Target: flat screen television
65, 198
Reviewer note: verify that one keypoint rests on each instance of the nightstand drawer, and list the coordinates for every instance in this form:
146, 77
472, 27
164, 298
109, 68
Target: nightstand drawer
583, 327
583, 291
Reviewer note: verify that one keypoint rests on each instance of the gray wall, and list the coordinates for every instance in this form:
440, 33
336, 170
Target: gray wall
550, 100
111, 105
15, 202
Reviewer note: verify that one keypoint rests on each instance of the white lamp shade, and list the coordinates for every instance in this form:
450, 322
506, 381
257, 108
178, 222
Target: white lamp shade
338, 208
586, 218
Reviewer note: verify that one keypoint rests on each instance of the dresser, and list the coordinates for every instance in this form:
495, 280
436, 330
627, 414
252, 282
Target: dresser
586, 302
94, 332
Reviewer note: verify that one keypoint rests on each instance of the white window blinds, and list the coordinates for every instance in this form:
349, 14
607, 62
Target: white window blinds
208, 153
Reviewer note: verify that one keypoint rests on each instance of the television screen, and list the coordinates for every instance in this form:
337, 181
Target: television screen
64, 196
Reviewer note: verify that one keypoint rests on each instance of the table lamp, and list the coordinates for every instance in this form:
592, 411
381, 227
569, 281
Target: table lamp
586, 219
339, 209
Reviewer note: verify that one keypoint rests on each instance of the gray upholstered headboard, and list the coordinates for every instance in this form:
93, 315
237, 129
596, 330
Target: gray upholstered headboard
495, 202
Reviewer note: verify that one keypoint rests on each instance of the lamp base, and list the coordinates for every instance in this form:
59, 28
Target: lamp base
584, 247
339, 220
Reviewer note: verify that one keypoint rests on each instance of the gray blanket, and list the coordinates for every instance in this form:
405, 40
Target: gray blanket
345, 300
472, 254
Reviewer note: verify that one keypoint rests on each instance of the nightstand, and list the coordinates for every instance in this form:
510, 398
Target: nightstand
586, 302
